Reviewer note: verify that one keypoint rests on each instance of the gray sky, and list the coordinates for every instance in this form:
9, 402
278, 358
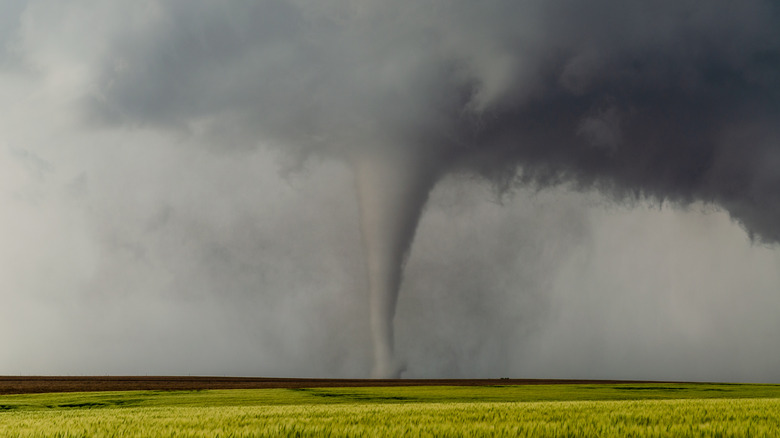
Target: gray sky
177, 196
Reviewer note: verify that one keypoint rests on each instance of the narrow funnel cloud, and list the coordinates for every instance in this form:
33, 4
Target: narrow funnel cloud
392, 189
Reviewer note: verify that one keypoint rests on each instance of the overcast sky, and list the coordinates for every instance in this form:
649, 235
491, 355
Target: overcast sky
176, 192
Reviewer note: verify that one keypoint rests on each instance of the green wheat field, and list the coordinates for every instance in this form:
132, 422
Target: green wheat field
619, 410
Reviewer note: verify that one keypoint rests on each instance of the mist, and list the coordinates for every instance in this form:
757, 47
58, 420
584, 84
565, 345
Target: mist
555, 191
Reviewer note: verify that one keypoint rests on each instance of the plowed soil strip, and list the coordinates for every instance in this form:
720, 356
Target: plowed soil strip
42, 384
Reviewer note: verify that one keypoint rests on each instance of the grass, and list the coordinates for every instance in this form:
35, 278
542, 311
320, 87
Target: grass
545, 410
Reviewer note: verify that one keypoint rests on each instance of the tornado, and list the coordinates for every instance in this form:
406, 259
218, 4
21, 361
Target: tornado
392, 188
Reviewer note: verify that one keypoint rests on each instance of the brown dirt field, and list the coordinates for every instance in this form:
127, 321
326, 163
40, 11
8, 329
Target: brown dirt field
42, 384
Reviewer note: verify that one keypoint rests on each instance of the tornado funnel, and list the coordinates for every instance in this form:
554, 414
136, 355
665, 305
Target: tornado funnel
392, 189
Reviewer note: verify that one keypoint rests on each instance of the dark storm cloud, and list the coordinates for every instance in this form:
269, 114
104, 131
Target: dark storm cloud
670, 100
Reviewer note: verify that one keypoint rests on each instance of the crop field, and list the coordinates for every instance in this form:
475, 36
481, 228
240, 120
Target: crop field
583, 410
